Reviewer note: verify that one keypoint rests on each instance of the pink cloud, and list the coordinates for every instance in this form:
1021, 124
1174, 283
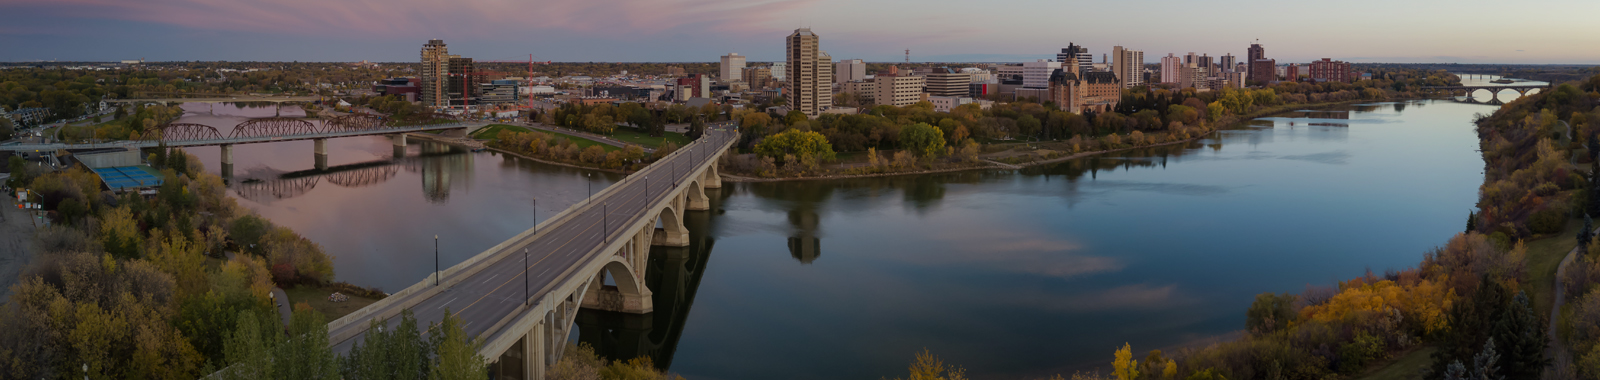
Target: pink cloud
429, 18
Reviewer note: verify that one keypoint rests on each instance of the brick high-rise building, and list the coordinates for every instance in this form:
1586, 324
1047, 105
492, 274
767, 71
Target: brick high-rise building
1256, 53
1128, 66
1330, 71
895, 88
435, 68
810, 73
1291, 73
1264, 71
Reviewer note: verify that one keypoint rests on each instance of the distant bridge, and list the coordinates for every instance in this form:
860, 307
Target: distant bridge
1494, 90
261, 130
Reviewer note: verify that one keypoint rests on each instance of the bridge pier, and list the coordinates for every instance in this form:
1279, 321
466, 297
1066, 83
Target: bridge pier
399, 144
321, 152
227, 163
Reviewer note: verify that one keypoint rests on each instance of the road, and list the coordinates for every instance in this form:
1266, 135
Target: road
16, 243
490, 295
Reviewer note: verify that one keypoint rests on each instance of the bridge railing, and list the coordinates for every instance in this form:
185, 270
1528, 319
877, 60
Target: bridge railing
405, 298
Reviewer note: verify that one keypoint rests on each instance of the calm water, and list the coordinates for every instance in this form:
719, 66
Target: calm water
1008, 273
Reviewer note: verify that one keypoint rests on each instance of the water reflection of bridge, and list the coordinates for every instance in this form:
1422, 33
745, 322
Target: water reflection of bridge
438, 164
674, 275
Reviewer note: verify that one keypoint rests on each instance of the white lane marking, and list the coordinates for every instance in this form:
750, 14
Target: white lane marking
491, 278
447, 303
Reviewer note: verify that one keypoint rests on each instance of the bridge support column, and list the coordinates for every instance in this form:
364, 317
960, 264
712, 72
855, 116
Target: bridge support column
399, 145
696, 197
227, 163
629, 295
712, 180
321, 153
533, 344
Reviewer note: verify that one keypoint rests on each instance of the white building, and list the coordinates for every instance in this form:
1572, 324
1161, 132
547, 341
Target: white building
1128, 65
1037, 74
732, 66
947, 103
780, 71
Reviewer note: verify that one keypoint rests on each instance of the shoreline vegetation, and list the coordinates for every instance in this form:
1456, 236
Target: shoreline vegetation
1476, 307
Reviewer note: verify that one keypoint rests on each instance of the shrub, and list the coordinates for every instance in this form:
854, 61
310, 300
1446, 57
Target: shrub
1548, 220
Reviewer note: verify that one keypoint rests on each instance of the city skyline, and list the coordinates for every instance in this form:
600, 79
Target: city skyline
703, 30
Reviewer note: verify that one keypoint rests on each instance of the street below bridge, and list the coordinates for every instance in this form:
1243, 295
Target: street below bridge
523, 270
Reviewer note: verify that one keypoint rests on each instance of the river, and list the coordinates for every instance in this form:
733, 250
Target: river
1010, 274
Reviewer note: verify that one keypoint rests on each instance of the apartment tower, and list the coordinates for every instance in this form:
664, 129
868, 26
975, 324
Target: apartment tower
850, 70
810, 73
1256, 53
1170, 68
1128, 65
732, 66
435, 69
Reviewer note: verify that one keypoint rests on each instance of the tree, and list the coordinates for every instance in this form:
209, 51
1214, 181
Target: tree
1028, 126
1470, 323
248, 350
794, 116
802, 144
1523, 335
305, 355
1123, 366
458, 357
247, 231
925, 140
1269, 313
119, 234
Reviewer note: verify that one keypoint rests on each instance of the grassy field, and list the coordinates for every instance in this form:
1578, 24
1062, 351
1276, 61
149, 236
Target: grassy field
1406, 367
635, 137
1544, 257
318, 299
491, 130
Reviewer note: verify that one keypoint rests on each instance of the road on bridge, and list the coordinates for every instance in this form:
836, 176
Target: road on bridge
492, 294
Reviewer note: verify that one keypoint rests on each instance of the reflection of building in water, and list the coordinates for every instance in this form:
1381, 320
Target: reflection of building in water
804, 246
673, 277
442, 170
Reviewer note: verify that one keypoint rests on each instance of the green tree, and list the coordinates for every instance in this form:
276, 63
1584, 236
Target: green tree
458, 357
925, 140
798, 143
794, 116
1523, 337
247, 231
305, 355
248, 348
1269, 313
1029, 126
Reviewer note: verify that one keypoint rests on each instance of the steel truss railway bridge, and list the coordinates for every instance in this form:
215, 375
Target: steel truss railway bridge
264, 130
522, 297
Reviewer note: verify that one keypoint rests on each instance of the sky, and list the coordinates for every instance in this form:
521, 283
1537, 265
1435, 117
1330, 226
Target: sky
1462, 31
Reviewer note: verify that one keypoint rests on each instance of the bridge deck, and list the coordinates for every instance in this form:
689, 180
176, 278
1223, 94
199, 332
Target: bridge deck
489, 292
236, 141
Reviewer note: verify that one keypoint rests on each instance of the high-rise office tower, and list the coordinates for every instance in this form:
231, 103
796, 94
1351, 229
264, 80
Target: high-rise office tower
732, 64
1085, 60
810, 73
1128, 65
1256, 53
1170, 66
435, 67
850, 70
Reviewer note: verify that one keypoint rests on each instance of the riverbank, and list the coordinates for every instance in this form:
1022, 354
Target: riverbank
989, 159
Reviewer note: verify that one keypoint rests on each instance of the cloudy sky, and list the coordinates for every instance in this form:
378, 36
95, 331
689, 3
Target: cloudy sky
1468, 31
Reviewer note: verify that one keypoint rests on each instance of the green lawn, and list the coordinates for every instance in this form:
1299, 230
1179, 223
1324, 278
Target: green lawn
318, 299
489, 132
631, 136
1544, 257
1407, 367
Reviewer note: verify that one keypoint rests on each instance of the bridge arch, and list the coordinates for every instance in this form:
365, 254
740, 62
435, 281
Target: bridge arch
695, 197
625, 292
672, 233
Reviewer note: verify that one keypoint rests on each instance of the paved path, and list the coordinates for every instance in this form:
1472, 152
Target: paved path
1557, 351
587, 135
496, 291
284, 310
16, 244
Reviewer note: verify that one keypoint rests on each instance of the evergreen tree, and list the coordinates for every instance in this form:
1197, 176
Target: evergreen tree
305, 355
1585, 235
1472, 221
1523, 336
1470, 322
1485, 365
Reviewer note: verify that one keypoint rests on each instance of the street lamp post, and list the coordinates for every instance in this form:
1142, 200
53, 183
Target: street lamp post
605, 224
590, 179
